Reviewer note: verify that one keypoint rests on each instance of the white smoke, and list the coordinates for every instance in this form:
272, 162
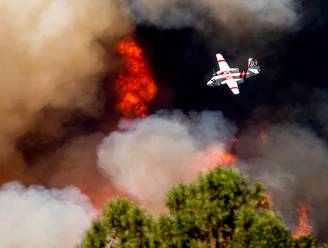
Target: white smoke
37, 217
148, 156
234, 14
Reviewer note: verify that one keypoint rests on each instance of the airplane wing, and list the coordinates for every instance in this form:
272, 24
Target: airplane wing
222, 63
232, 84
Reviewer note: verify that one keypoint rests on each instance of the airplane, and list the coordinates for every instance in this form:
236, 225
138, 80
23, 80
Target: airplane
231, 76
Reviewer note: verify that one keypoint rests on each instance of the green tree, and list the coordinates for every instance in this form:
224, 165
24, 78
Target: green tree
125, 223
220, 209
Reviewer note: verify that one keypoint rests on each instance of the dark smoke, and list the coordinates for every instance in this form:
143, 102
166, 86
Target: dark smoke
292, 162
288, 100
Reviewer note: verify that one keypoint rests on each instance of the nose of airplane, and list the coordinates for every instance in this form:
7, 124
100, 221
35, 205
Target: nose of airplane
210, 83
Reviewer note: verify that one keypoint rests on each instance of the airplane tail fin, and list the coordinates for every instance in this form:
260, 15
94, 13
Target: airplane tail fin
253, 66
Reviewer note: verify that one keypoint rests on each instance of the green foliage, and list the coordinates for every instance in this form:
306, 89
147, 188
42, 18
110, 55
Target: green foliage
220, 209
131, 225
323, 246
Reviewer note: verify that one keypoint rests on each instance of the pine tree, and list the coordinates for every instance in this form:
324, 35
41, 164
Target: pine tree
220, 209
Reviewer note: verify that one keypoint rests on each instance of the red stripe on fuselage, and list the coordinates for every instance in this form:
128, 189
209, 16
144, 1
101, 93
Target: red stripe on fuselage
243, 74
234, 88
226, 72
222, 60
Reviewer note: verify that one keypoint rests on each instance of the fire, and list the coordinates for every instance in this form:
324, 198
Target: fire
227, 158
212, 157
267, 200
135, 85
303, 228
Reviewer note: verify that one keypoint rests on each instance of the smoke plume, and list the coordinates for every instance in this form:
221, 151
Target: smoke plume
148, 156
75, 163
292, 162
37, 217
234, 14
51, 59
51, 65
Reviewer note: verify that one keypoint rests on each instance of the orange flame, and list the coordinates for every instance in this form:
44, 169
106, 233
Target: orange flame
303, 228
135, 86
267, 200
227, 158
212, 157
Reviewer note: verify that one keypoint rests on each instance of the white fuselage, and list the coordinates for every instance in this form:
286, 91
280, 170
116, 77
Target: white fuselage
221, 77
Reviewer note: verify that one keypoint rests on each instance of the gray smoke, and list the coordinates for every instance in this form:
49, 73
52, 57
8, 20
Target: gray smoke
37, 217
236, 15
148, 156
292, 162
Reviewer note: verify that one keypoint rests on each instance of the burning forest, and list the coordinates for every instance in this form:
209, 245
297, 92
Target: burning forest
107, 98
